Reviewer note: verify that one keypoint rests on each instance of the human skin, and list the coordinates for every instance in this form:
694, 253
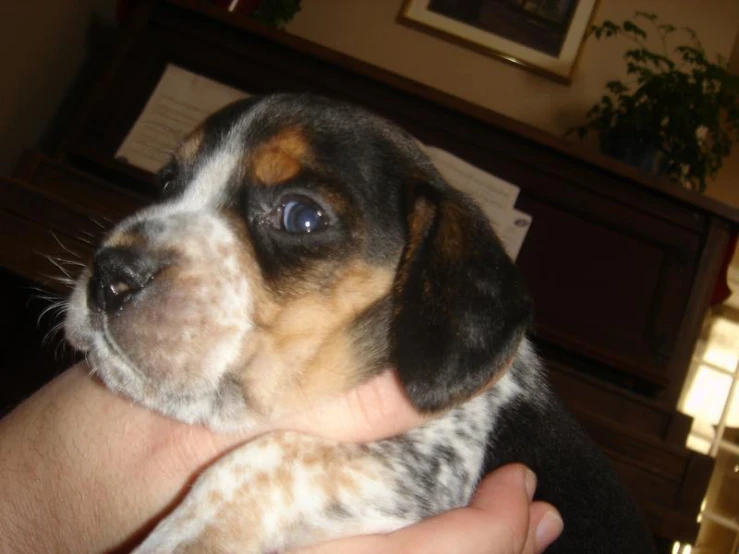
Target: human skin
500, 519
84, 470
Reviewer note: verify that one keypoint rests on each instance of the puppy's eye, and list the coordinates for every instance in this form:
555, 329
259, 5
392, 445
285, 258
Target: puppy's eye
165, 178
301, 215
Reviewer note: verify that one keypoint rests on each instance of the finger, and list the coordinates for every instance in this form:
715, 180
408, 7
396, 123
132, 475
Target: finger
374, 410
546, 526
496, 521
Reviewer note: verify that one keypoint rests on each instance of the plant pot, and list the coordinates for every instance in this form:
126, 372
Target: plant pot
629, 148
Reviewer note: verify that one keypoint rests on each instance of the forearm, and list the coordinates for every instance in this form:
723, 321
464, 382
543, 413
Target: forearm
70, 456
23, 506
33, 456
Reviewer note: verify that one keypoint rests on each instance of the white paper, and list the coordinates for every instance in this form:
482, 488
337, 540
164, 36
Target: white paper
489, 189
180, 101
495, 196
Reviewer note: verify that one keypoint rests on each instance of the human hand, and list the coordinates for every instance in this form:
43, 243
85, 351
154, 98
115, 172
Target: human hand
105, 470
501, 519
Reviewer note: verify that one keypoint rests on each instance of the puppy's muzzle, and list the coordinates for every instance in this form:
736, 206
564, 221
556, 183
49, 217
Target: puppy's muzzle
118, 275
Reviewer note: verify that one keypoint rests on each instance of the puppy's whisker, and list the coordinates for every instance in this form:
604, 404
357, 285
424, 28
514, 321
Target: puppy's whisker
91, 367
64, 247
55, 334
60, 350
56, 308
38, 289
66, 281
52, 334
59, 266
38, 294
73, 263
98, 223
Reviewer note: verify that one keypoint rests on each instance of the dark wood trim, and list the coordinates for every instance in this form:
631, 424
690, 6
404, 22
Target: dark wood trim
127, 38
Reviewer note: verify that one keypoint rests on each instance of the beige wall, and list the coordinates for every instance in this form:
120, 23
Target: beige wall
726, 186
42, 46
366, 29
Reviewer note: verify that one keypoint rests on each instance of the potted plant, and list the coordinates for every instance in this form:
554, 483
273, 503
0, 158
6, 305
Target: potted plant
677, 114
274, 13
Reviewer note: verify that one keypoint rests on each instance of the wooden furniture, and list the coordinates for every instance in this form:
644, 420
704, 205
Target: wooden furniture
621, 265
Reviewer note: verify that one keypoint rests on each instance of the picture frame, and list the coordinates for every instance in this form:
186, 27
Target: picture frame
543, 36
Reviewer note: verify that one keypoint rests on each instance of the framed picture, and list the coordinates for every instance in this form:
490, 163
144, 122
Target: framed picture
544, 36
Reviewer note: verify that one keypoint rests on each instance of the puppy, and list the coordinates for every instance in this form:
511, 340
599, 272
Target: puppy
303, 246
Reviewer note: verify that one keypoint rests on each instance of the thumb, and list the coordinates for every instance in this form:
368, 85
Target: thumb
498, 520
374, 410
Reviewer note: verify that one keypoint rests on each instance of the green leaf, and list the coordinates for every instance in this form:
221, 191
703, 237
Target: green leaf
630, 27
647, 15
616, 87
691, 32
607, 28
667, 97
276, 13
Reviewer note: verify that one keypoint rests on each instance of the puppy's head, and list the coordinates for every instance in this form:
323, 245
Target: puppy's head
303, 246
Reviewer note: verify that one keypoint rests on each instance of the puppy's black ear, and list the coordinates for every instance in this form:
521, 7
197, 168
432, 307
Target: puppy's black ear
460, 304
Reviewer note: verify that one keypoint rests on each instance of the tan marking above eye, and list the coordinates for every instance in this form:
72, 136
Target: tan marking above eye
126, 239
280, 157
190, 145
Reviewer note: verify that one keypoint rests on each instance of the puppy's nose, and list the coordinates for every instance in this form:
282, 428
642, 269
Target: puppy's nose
118, 274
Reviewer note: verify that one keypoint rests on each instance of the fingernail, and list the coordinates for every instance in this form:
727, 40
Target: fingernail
530, 483
550, 527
